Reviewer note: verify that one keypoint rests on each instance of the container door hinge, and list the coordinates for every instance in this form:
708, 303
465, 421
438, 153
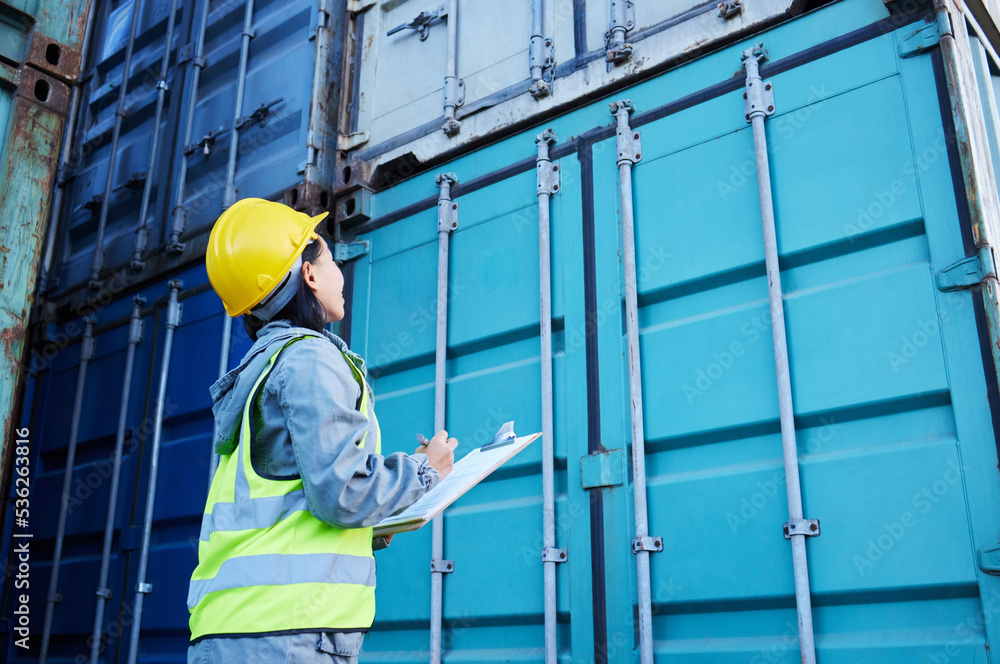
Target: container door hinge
553, 555
989, 559
603, 469
968, 272
442, 566
344, 252
347, 142
806, 527
920, 40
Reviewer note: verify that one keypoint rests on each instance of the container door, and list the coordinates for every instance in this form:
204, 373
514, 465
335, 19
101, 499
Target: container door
896, 446
493, 601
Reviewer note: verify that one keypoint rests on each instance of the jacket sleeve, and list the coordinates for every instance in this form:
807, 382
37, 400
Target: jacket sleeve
345, 485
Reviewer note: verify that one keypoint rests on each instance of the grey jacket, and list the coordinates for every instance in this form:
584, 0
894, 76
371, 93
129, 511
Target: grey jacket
307, 424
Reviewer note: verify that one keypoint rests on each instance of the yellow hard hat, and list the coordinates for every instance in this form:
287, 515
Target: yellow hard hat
253, 246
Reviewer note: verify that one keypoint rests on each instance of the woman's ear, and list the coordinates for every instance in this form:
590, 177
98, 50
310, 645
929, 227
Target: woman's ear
309, 276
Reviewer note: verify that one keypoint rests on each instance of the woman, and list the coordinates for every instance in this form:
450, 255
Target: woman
285, 567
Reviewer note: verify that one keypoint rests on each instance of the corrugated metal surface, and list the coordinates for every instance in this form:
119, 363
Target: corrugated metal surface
898, 451
272, 154
394, 120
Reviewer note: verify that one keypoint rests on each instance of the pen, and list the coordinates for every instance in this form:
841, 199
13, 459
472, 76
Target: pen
421, 439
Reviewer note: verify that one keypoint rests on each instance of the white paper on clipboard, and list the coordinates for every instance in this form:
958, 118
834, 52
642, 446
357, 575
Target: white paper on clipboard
467, 473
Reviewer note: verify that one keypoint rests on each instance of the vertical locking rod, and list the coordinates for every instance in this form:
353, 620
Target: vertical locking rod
539, 52
86, 355
760, 104
452, 85
142, 587
229, 197
447, 222
103, 591
628, 148
548, 184
97, 263
178, 217
142, 231
227, 336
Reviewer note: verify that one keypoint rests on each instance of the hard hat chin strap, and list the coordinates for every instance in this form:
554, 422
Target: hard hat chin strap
281, 295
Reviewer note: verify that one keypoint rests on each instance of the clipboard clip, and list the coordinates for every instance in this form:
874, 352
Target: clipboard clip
504, 436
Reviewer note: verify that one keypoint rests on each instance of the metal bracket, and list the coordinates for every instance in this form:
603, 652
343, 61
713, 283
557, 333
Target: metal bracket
104, 592
988, 558
603, 469
805, 527
447, 208
54, 598
730, 8
454, 91
541, 55
553, 555
616, 49
442, 566
920, 40
349, 251
259, 114
968, 272
185, 53
447, 215
421, 24
144, 588
162, 85
205, 144
347, 142
87, 343
548, 177
648, 543
357, 6
758, 95
628, 142
135, 325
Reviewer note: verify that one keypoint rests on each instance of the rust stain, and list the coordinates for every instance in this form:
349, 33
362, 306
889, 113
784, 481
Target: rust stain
9, 338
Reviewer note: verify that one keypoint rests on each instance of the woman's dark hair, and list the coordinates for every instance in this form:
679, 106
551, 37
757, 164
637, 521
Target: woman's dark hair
304, 310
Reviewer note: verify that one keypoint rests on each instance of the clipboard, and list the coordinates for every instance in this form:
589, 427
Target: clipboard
467, 473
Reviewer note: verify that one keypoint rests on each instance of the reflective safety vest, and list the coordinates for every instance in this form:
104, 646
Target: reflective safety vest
265, 563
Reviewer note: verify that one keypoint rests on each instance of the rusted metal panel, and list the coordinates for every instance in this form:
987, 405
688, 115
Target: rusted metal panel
26, 176
45, 50
973, 148
63, 21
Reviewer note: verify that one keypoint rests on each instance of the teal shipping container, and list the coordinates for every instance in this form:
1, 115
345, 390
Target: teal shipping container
734, 260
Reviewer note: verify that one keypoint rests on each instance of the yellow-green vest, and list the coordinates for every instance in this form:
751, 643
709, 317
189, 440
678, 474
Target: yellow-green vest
265, 563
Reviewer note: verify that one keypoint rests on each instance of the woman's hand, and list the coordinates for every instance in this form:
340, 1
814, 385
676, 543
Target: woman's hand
440, 451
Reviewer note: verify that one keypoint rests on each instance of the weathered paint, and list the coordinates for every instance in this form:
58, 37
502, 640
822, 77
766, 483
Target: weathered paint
26, 177
974, 151
32, 136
